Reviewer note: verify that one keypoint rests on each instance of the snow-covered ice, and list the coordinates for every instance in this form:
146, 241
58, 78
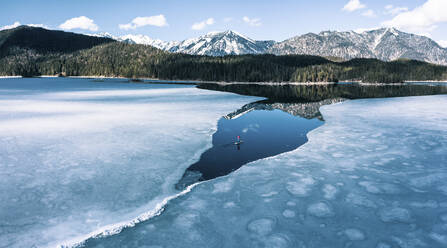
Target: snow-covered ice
373, 176
79, 157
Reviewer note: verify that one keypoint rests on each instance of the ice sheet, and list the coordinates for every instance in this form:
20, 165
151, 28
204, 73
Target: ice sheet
373, 176
78, 156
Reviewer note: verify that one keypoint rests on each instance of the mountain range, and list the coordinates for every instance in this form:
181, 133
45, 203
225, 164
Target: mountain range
386, 44
211, 44
32, 51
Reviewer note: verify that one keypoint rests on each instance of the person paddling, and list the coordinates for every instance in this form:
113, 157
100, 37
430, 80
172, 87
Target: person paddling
239, 141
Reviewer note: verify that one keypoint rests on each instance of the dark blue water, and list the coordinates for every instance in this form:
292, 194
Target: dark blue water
263, 133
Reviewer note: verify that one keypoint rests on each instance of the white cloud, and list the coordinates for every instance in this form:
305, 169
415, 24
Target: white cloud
158, 21
353, 5
252, 22
443, 43
422, 19
228, 19
202, 25
81, 22
392, 10
127, 26
14, 25
369, 13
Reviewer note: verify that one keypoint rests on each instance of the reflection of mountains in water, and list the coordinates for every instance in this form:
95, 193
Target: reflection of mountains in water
308, 110
316, 93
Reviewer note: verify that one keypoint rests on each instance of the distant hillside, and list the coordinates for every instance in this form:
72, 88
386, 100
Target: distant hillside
46, 41
33, 55
129, 60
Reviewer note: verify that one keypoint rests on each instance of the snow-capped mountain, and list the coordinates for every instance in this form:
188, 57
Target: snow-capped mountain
140, 39
221, 43
104, 35
213, 44
384, 44
146, 40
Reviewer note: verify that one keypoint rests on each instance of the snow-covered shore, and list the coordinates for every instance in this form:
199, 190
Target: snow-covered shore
272, 83
4, 77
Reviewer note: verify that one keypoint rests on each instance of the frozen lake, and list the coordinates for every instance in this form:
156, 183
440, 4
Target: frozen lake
82, 159
77, 156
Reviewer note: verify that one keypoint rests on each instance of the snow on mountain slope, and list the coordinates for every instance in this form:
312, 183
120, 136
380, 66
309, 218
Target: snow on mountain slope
212, 44
385, 44
140, 39
222, 43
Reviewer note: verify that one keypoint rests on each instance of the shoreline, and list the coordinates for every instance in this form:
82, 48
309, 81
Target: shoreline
271, 83
400, 84
161, 81
6, 77
381, 84
426, 81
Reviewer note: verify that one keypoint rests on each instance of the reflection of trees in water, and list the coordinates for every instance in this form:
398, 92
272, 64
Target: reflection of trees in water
308, 110
315, 93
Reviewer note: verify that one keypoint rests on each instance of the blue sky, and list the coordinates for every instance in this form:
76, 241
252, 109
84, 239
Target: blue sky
260, 19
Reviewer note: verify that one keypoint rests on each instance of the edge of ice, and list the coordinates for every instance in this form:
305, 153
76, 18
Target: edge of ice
118, 227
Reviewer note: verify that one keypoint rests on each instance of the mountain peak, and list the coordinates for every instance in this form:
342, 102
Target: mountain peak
231, 32
228, 33
392, 30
